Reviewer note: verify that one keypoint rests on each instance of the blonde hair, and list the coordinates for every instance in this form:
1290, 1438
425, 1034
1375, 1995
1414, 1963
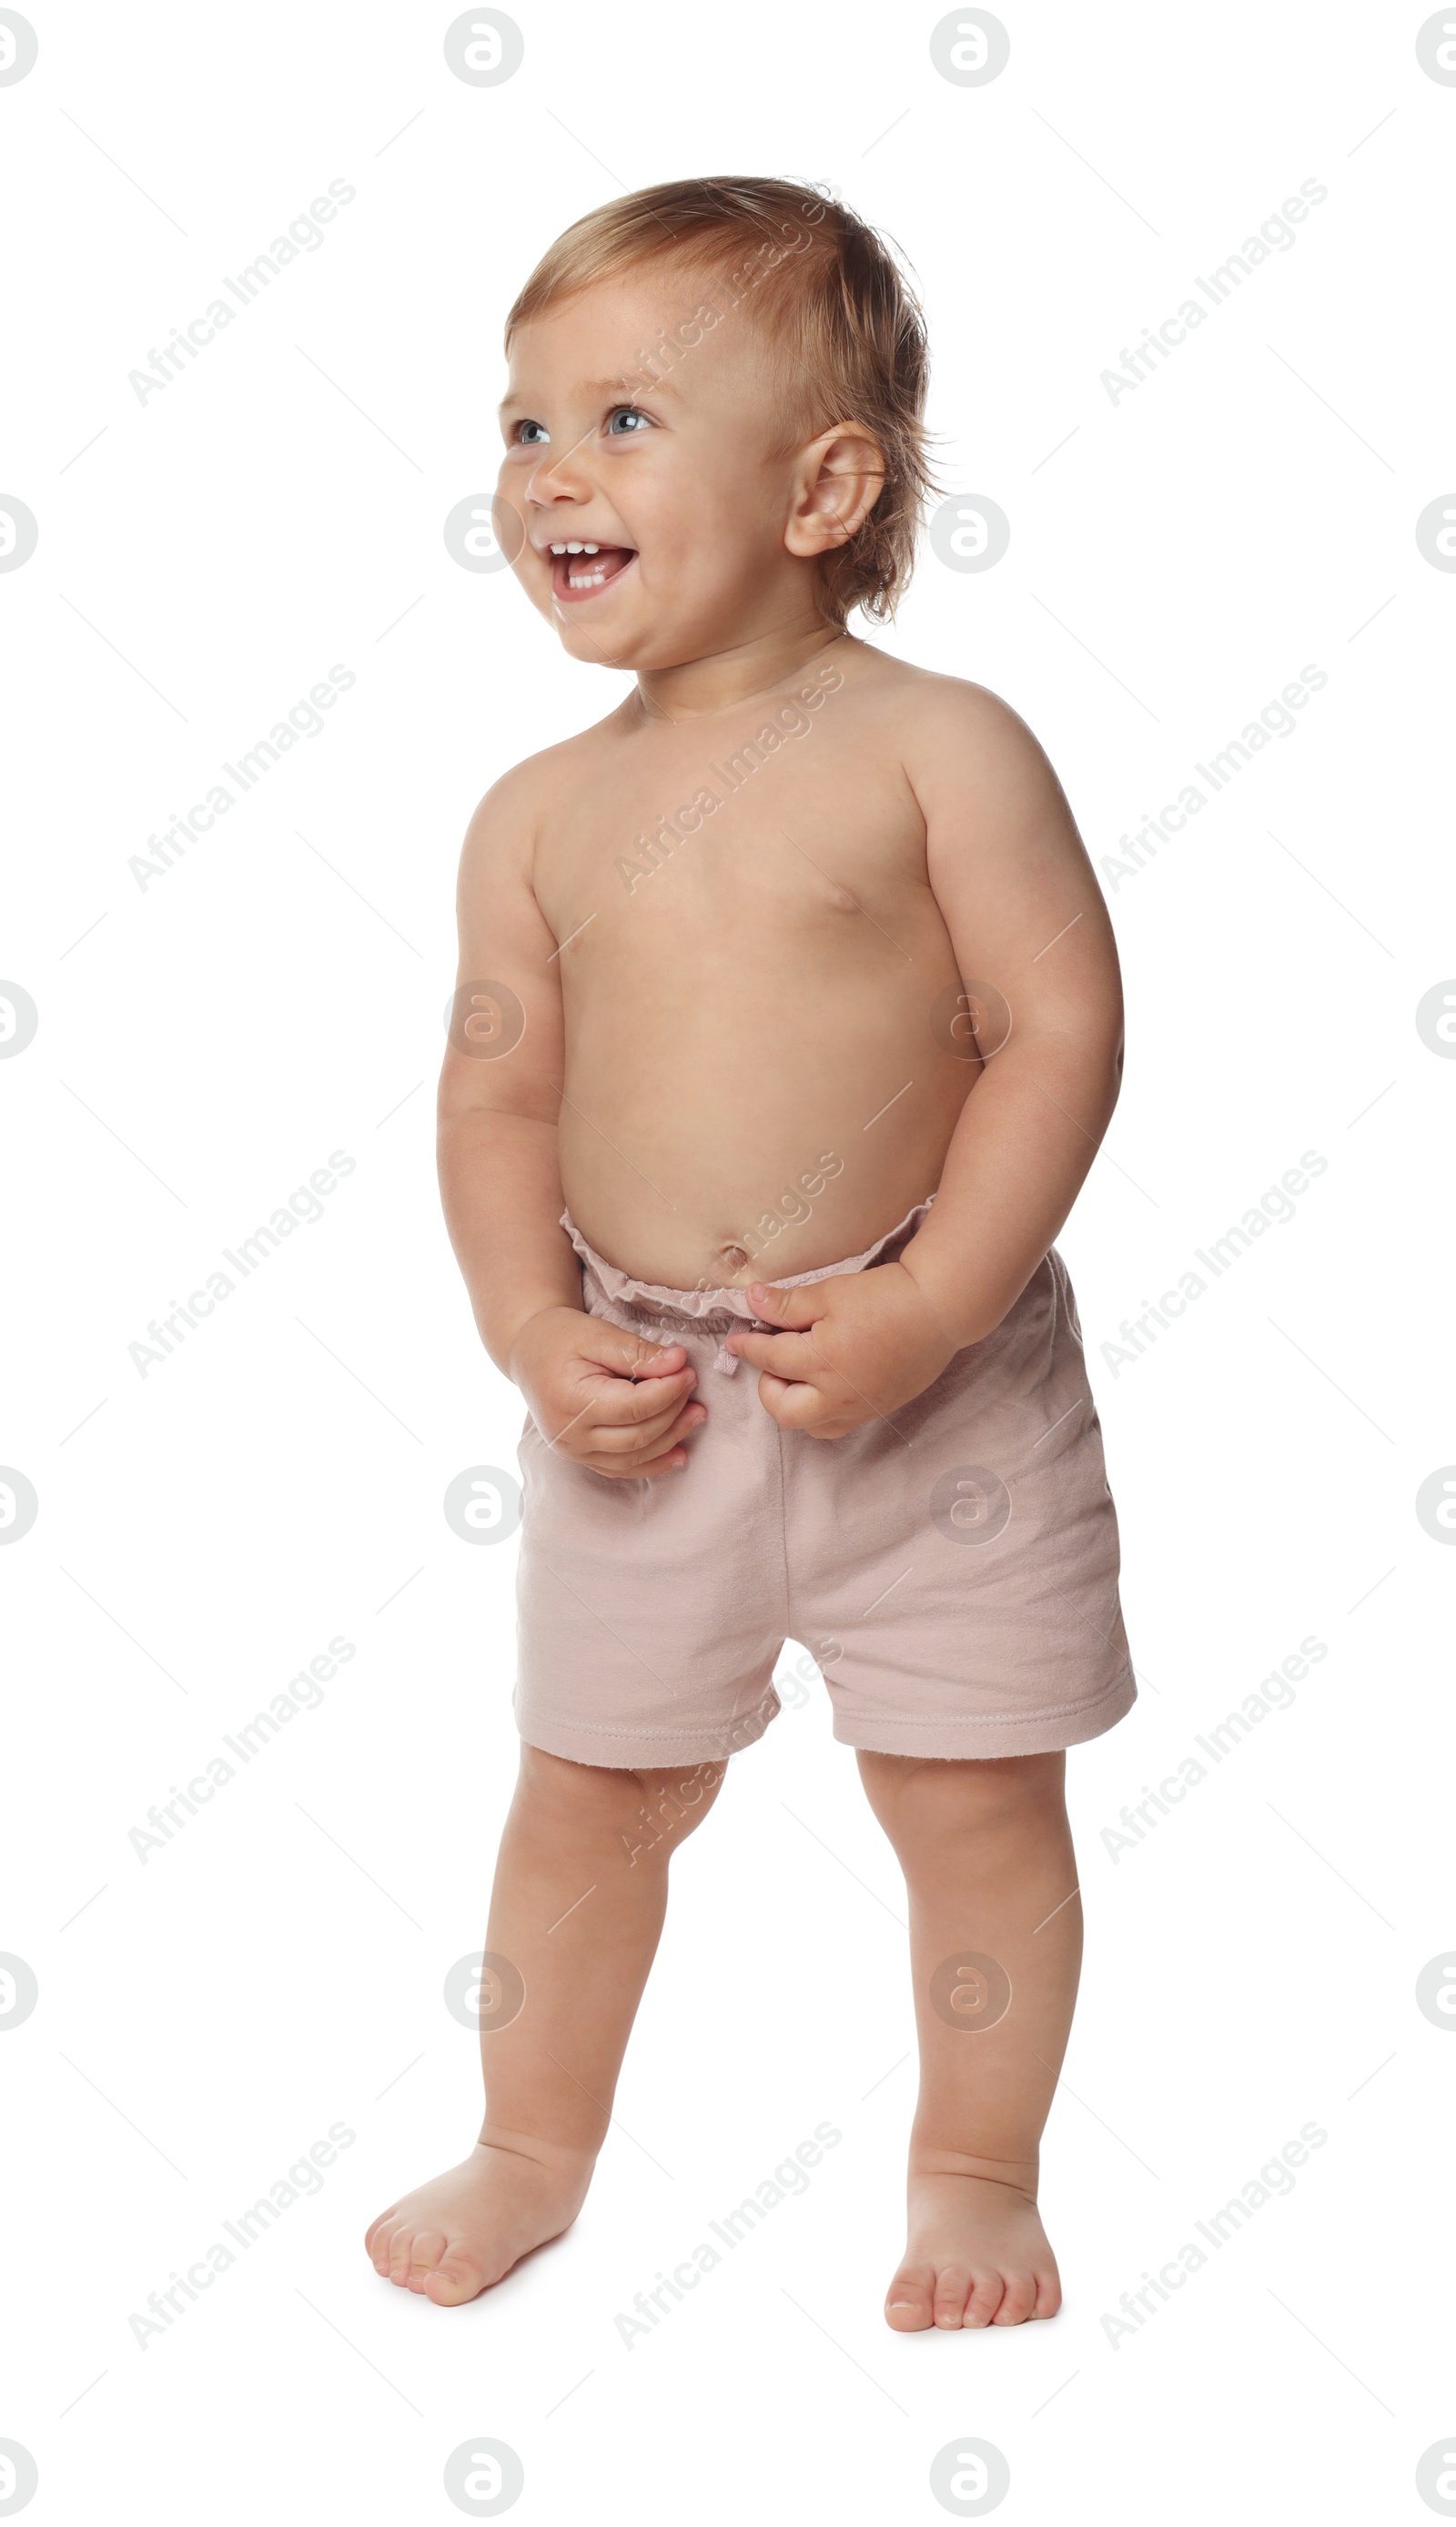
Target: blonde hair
845, 329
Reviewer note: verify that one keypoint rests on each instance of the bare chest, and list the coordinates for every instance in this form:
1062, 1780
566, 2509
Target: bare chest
788, 829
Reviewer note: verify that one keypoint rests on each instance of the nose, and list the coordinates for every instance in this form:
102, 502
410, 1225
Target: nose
558, 479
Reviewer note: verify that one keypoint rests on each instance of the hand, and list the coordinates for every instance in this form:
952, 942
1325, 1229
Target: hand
851, 1349
606, 1399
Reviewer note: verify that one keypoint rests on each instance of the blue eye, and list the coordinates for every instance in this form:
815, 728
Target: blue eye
627, 421
526, 431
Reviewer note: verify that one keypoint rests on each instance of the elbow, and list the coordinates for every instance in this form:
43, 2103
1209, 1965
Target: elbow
1112, 1077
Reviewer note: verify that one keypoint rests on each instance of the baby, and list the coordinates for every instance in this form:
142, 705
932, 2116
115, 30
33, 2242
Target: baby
787, 1028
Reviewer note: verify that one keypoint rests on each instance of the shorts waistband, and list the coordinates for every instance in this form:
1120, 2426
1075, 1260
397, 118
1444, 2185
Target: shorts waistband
623, 1289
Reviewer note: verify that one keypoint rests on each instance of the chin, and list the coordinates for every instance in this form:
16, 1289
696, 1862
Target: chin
609, 648
641, 648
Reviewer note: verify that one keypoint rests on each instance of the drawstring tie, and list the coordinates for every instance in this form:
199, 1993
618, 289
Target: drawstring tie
724, 1360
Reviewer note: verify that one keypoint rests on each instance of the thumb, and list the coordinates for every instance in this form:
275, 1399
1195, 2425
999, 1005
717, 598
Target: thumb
789, 1310
632, 1354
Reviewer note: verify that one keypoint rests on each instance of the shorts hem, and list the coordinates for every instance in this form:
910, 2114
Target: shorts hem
1042, 1732
627, 1749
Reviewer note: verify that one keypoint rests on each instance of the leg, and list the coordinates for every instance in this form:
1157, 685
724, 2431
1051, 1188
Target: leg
579, 1894
987, 1855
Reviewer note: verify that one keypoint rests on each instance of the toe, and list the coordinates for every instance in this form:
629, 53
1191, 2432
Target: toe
402, 2244
427, 2251
378, 2240
376, 2227
985, 2298
1019, 2300
908, 2302
1048, 2293
454, 2280
952, 2290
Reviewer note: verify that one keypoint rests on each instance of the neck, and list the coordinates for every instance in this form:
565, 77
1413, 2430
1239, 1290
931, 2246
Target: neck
697, 687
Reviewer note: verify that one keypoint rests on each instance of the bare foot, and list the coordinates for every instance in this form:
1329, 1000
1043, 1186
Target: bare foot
454, 2237
977, 2255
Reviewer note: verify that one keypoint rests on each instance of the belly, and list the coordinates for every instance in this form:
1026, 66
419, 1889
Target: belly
747, 1119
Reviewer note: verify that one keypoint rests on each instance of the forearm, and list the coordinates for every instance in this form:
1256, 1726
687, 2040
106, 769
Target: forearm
501, 1188
1026, 1136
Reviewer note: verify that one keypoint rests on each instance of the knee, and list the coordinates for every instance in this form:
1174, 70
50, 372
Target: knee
670, 1803
646, 1811
919, 1801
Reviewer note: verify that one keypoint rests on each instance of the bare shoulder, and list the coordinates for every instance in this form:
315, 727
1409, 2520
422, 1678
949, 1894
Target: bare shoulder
947, 726
976, 770
1003, 859
516, 808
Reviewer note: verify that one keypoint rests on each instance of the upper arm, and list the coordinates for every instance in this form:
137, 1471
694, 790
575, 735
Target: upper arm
506, 1040
1009, 872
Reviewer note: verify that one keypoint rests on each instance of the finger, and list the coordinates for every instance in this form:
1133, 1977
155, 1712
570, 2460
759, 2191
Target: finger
793, 1309
667, 1454
793, 1404
673, 1464
609, 1401
788, 1355
629, 1354
619, 1443
628, 1401
691, 1419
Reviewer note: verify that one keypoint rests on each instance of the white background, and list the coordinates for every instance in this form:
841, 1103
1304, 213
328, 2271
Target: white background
205, 1043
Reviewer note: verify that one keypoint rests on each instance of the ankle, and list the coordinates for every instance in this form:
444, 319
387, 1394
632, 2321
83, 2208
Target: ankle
568, 2161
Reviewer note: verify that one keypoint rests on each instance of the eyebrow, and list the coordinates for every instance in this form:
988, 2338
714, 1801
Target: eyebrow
604, 386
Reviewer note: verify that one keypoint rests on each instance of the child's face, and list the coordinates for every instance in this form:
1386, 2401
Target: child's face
662, 459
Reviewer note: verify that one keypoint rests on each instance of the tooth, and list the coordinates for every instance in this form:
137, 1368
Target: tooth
573, 548
558, 548
590, 548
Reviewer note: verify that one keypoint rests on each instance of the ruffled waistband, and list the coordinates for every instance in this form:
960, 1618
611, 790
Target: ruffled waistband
623, 1289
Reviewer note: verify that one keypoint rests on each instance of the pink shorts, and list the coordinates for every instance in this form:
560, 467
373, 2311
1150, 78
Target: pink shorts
952, 1566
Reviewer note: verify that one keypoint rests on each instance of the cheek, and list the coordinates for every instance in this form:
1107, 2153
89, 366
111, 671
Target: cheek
704, 499
661, 500
722, 552
532, 575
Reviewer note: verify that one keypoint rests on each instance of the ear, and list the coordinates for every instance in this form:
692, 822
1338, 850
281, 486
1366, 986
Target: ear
837, 480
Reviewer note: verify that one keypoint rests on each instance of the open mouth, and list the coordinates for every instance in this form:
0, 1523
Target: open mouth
579, 569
